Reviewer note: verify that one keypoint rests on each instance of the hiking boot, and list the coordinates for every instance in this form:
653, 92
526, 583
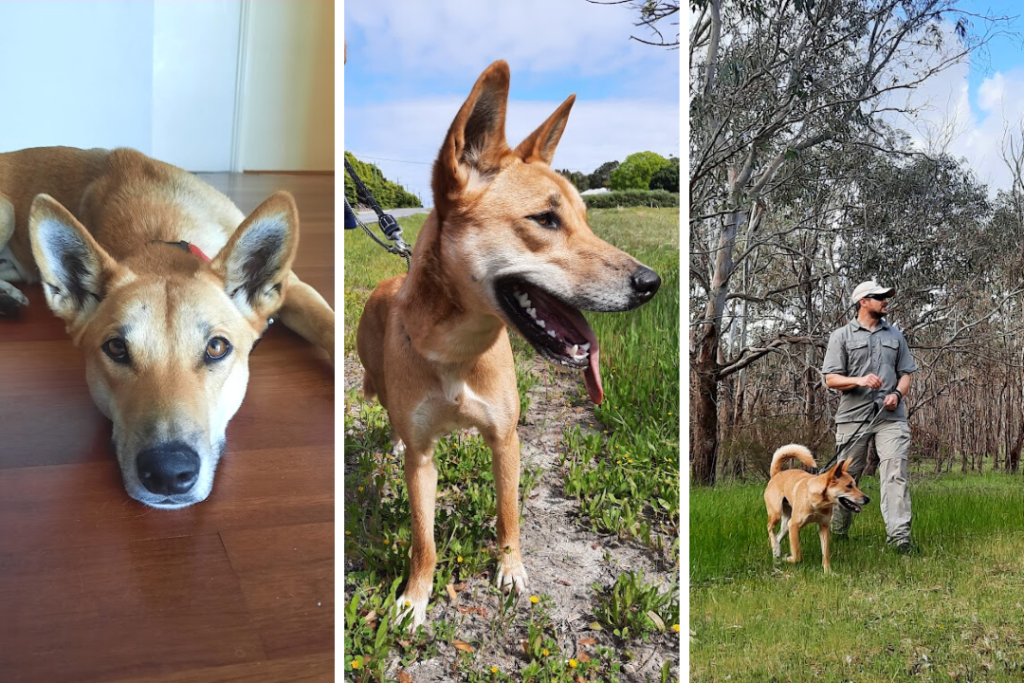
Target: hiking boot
905, 548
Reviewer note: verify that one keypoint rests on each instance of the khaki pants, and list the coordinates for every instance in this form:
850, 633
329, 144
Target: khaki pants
892, 441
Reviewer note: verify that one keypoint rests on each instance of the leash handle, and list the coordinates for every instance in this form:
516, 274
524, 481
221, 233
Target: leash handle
879, 405
385, 221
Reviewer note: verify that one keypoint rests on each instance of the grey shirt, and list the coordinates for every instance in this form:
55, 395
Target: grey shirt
855, 351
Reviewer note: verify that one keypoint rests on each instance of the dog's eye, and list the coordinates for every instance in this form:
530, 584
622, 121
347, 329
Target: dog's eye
849, 486
217, 348
117, 350
548, 219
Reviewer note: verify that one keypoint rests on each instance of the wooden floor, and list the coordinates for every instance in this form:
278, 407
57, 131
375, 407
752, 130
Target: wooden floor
97, 587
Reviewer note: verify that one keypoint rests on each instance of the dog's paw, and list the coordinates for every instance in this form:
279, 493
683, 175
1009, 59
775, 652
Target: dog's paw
791, 559
416, 607
11, 299
511, 574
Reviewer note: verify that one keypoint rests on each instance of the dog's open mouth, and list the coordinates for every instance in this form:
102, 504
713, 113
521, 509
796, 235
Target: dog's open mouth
849, 505
558, 331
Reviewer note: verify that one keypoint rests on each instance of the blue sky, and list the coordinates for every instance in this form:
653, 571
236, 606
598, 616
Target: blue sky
411, 65
1004, 52
974, 109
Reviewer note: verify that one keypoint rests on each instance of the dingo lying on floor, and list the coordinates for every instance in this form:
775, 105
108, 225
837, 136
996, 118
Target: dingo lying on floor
506, 244
797, 498
166, 332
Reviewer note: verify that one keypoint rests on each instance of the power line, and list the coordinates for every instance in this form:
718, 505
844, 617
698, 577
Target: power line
398, 161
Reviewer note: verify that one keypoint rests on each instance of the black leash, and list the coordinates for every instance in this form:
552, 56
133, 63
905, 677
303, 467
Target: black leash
878, 404
386, 222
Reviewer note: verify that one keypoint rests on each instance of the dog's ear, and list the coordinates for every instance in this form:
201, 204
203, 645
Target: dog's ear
74, 268
541, 143
255, 262
839, 469
475, 143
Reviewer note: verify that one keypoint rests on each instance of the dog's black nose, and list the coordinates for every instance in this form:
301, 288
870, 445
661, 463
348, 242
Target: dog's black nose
168, 469
645, 282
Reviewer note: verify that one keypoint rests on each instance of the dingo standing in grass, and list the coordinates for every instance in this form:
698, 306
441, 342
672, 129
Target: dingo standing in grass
166, 332
506, 244
797, 498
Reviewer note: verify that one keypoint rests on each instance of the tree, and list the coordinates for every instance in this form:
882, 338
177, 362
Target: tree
389, 195
577, 178
636, 171
667, 177
787, 83
602, 175
652, 13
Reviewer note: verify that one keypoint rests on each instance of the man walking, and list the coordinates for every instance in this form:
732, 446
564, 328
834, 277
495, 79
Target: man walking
869, 360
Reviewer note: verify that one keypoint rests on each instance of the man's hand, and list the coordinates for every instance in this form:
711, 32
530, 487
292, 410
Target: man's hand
872, 381
891, 401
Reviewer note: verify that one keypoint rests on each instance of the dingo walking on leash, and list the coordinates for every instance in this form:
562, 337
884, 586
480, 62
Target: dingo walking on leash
120, 242
796, 498
507, 244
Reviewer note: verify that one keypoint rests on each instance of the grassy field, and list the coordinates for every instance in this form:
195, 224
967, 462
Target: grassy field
951, 612
622, 466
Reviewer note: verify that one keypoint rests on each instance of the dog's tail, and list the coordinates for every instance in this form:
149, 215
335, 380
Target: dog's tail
791, 452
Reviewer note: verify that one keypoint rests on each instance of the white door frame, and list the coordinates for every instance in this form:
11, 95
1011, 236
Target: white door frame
241, 85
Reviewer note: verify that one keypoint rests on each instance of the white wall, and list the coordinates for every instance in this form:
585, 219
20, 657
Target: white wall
195, 64
76, 73
162, 76
289, 101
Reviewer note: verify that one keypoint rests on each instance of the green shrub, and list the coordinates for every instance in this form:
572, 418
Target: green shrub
388, 194
667, 178
636, 171
658, 199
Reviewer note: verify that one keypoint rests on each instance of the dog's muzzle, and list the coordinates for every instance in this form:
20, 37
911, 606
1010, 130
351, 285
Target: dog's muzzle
851, 506
168, 469
645, 283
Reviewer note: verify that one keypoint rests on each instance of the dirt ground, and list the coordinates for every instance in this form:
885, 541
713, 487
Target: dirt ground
562, 557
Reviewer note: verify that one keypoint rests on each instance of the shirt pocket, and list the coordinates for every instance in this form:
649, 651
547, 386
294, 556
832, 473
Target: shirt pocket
890, 349
858, 353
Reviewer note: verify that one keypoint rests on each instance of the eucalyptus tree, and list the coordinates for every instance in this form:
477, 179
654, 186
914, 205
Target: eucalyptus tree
771, 83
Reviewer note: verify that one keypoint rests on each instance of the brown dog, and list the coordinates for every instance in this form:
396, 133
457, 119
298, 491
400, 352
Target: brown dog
797, 498
506, 244
166, 332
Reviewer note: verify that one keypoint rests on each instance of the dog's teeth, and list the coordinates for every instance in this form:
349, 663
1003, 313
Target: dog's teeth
575, 350
541, 323
532, 312
551, 333
586, 347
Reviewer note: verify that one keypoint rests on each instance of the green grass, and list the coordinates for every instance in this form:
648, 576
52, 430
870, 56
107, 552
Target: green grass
953, 611
624, 472
627, 476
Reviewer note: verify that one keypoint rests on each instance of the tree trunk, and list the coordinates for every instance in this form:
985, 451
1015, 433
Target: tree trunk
704, 411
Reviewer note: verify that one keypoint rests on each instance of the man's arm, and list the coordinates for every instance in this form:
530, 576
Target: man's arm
844, 383
892, 401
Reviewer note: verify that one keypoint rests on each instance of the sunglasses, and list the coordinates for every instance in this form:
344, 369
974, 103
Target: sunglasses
877, 297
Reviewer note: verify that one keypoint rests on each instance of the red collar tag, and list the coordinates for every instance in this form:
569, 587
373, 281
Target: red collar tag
196, 251
187, 246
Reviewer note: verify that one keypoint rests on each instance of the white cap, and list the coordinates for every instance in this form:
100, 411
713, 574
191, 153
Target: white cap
868, 288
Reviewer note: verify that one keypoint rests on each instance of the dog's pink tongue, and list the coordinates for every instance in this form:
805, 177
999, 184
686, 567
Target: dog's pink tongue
592, 376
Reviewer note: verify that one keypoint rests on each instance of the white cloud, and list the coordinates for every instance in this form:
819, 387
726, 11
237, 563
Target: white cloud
992, 92
945, 120
598, 131
451, 36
